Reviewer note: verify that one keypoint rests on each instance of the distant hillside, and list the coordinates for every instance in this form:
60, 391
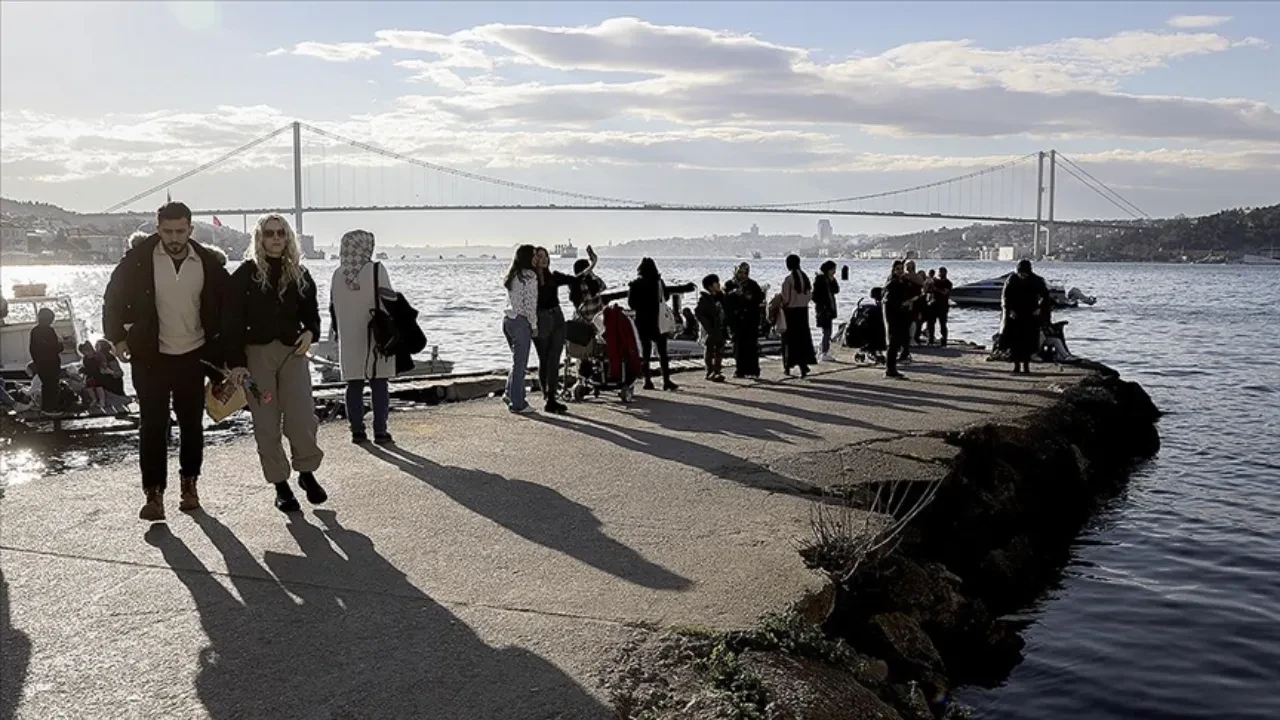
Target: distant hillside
54, 218
1230, 234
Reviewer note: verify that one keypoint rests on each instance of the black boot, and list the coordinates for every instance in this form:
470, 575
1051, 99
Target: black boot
668, 385
285, 501
315, 494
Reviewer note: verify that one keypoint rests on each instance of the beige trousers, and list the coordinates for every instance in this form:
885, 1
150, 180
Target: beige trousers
276, 370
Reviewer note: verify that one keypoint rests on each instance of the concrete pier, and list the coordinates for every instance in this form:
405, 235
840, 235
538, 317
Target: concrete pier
486, 566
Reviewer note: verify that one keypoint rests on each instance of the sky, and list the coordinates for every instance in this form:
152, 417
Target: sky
1173, 105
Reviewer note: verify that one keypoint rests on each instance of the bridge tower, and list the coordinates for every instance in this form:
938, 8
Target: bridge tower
1048, 229
297, 179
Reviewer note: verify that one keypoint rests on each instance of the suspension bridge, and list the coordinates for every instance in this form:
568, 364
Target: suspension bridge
1002, 193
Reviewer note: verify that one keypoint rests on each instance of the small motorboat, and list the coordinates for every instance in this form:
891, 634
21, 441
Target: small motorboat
987, 294
15, 328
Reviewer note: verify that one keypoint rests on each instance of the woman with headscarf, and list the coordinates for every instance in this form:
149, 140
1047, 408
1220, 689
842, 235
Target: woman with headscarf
745, 302
645, 294
897, 300
351, 300
797, 339
270, 316
1024, 300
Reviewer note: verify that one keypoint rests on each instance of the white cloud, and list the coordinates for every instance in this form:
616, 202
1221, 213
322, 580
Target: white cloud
277, 51
452, 49
632, 45
433, 72
1197, 21
336, 52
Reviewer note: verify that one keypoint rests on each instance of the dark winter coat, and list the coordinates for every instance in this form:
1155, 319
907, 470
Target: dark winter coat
711, 316
130, 300
824, 298
45, 348
643, 296
253, 315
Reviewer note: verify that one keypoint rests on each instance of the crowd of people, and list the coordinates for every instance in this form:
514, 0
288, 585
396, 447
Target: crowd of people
173, 311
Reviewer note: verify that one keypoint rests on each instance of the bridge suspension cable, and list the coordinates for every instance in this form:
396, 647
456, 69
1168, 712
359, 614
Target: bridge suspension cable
888, 193
1109, 194
470, 175
196, 171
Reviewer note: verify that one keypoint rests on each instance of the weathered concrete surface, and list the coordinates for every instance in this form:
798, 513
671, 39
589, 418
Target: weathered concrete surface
482, 568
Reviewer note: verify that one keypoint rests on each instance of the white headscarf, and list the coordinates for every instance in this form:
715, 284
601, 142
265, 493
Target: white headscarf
357, 251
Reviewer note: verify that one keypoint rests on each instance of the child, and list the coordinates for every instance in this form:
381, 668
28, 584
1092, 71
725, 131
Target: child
711, 317
91, 371
46, 358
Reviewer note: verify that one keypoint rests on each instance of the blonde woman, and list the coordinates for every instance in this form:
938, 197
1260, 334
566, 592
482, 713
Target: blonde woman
270, 318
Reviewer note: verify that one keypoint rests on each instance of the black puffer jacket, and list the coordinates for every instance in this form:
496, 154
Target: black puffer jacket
253, 315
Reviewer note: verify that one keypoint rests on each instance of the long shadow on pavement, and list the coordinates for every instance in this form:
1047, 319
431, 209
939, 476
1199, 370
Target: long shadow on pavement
682, 417
15, 654
339, 653
537, 513
797, 410
672, 448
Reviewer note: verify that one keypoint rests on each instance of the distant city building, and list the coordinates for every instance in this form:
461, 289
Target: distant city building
824, 232
755, 230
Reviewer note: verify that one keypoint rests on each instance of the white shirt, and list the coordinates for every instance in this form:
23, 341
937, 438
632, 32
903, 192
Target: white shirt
523, 298
178, 302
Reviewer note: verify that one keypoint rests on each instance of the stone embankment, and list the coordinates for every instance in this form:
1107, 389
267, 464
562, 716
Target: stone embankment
988, 532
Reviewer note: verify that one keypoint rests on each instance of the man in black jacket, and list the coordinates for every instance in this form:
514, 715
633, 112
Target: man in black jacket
161, 311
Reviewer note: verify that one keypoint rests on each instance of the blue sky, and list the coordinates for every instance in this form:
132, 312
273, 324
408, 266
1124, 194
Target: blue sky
1173, 103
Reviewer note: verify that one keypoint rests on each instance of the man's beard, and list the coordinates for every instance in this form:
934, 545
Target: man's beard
174, 249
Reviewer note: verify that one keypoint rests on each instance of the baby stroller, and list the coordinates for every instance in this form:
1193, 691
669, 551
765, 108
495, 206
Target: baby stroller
865, 332
608, 361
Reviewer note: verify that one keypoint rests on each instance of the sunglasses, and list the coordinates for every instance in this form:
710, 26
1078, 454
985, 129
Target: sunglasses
270, 233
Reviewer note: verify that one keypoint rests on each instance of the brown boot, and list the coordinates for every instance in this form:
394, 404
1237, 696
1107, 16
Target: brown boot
153, 511
189, 500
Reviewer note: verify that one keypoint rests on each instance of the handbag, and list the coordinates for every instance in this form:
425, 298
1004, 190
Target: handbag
383, 335
667, 324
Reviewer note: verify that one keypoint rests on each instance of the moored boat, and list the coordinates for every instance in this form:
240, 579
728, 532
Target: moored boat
15, 328
986, 293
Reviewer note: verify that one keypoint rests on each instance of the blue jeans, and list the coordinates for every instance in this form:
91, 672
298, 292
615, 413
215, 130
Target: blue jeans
381, 405
519, 338
5, 398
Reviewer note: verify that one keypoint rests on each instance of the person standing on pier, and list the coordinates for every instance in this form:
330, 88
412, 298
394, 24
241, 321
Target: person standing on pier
520, 323
45, 348
797, 339
941, 306
359, 286
825, 288
898, 300
711, 316
647, 296
161, 311
549, 340
745, 303
1024, 299
270, 317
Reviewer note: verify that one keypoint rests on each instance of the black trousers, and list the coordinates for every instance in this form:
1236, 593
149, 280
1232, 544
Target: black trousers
647, 343
50, 388
899, 332
938, 318
714, 358
176, 379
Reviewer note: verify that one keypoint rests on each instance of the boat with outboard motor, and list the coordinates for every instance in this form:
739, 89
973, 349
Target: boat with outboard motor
987, 293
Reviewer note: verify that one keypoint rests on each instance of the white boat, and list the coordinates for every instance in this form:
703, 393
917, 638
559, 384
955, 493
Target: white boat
565, 252
1258, 260
987, 294
324, 355
15, 328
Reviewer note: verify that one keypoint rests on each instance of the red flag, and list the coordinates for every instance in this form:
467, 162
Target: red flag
216, 221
